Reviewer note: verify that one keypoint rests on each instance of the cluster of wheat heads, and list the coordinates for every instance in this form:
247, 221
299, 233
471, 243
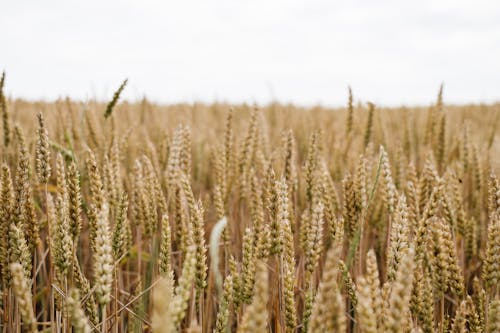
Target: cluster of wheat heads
211, 218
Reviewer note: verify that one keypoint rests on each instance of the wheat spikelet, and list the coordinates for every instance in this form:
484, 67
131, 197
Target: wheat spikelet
114, 100
96, 186
311, 166
307, 311
365, 309
350, 112
412, 195
493, 325
276, 246
164, 260
6, 203
270, 192
23, 295
42, 157
222, 320
198, 231
109, 182
5, 113
473, 319
330, 200
59, 224
399, 238
289, 297
480, 301
248, 264
441, 142
155, 201
185, 155
478, 172
348, 284
491, 268
328, 313
422, 299
173, 164
103, 257
139, 197
399, 300
459, 209
255, 316
23, 210
78, 320
18, 250
61, 242
493, 197
287, 265
290, 172
361, 184
92, 129
460, 319
182, 294
390, 194
426, 184
256, 203
74, 201
262, 248
445, 203
180, 221
122, 237
314, 236
373, 280
247, 151
350, 212
237, 283
440, 256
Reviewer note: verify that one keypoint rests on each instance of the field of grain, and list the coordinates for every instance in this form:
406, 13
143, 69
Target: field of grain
121, 217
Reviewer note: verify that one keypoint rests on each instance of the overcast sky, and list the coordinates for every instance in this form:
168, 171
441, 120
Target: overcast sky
307, 52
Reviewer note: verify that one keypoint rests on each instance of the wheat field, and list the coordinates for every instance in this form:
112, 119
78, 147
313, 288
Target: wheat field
137, 217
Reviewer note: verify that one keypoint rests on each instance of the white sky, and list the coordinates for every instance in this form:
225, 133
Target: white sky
307, 52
